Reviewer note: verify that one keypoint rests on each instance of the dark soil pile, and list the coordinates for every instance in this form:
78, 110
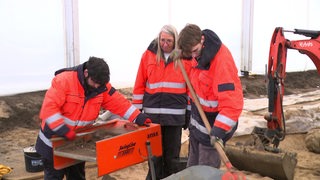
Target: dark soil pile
255, 86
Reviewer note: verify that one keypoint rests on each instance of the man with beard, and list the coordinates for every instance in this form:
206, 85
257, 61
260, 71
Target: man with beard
74, 101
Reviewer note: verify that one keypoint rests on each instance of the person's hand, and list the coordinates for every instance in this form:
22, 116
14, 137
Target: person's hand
142, 119
215, 138
175, 55
70, 135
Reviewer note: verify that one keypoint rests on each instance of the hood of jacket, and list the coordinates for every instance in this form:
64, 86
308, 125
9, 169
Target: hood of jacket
211, 46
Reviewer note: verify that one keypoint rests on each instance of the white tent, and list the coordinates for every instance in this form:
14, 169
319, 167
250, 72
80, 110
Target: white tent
38, 37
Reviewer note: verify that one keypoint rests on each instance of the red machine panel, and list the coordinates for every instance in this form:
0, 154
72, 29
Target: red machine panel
113, 145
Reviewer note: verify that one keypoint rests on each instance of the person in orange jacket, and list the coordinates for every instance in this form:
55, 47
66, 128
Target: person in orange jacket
161, 92
216, 82
74, 101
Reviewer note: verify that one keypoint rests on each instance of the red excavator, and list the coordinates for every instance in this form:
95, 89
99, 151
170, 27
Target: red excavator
274, 162
276, 128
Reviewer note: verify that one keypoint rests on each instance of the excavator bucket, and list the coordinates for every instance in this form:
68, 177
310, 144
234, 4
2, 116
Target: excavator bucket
277, 165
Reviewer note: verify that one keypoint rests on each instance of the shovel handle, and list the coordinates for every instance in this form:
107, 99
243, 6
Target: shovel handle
217, 145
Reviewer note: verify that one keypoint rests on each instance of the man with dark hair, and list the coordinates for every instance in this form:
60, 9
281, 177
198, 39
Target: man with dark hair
98, 70
216, 82
74, 101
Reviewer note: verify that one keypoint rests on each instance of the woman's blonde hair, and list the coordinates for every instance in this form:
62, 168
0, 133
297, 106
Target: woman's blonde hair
170, 30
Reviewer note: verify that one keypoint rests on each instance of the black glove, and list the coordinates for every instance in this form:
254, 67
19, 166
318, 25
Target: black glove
214, 139
187, 120
142, 119
217, 135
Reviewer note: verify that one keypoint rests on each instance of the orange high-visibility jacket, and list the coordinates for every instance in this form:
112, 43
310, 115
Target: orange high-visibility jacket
67, 106
160, 89
217, 84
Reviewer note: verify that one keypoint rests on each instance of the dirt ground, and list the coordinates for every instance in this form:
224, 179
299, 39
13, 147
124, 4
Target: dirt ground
19, 125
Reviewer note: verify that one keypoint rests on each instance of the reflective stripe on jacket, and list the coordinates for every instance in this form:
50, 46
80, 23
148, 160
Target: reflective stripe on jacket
160, 89
67, 106
218, 87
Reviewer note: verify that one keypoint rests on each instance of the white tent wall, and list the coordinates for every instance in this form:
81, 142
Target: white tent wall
32, 39
120, 31
289, 14
223, 17
31, 44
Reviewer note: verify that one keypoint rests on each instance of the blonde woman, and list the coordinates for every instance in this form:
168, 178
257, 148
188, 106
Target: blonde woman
161, 92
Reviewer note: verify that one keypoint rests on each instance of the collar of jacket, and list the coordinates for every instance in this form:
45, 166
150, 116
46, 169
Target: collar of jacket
66, 69
153, 46
81, 78
212, 44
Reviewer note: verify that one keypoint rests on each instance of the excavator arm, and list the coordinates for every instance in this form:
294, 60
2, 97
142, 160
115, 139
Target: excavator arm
261, 154
276, 73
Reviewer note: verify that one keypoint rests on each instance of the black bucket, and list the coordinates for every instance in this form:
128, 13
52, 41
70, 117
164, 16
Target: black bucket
32, 159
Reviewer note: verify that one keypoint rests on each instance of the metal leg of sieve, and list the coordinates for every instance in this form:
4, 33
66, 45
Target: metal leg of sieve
150, 162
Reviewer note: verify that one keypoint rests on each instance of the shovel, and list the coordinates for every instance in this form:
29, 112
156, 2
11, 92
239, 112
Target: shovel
231, 171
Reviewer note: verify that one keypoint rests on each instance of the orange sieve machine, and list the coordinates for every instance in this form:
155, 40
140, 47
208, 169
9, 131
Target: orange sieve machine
112, 145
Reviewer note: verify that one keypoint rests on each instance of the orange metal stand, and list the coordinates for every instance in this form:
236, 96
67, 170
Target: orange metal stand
126, 147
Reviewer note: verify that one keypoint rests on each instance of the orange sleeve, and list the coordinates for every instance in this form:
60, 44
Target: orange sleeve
229, 90
118, 104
